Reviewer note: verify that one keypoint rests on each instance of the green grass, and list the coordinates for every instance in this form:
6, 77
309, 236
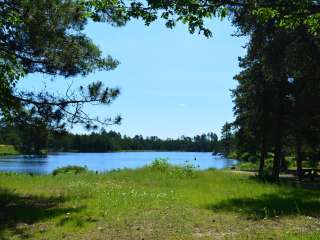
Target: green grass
155, 202
7, 150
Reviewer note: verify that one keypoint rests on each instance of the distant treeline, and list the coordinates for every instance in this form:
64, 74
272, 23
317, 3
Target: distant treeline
113, 141
33, 143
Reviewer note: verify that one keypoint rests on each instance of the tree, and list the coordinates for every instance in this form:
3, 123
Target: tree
46, 37
303, 61
253, 110
286, 14
226, 138
277, 89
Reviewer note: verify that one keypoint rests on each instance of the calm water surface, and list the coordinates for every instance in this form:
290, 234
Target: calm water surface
109, 161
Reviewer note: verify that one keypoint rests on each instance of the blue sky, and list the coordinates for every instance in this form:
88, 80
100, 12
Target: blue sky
172, 83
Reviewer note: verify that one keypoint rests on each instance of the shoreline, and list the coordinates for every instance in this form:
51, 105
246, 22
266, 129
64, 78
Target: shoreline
16, 153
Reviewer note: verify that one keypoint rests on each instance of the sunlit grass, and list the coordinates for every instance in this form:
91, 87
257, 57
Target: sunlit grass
153, 203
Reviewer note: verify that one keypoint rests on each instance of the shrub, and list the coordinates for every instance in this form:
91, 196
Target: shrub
186, 170
244, 156
69, 169
163, 165
248, 157
160, 164
189, 168
233, 155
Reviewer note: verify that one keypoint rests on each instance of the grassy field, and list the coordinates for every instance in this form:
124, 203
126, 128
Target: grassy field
7, 150
155, 203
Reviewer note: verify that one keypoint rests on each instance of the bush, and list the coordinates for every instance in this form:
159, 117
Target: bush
188, 169
248, 157
233, 155
69, 169
163, 165
160, 164
244, 156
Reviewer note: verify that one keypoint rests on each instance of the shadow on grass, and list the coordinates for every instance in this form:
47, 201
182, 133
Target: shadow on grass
290, 202
289, 180
16, 210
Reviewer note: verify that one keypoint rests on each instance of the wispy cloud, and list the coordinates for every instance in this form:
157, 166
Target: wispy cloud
182, 105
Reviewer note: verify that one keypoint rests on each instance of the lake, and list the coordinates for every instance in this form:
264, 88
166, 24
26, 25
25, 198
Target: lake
109, 161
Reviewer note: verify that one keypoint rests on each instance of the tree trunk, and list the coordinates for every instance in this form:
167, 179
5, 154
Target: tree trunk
262, 157
277, 159
278, 133
299, 158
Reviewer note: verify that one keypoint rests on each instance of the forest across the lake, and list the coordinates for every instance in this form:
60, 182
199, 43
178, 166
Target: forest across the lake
34, 141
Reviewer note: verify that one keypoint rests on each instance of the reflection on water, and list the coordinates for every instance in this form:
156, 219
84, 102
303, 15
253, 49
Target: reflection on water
108, 161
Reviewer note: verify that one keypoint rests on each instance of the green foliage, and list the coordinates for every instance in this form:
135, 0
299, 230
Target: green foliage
160, 164
254, 166
248, 157
233, 155
278, 91
296, 14
47, 37
285, 14
313, 21
245, 157
227, 138
188, 169
70, 170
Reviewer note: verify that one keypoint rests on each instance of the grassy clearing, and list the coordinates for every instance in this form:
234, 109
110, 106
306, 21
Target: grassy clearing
7, 150
156, 202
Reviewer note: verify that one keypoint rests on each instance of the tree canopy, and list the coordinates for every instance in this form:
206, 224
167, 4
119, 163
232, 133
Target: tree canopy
47, 37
